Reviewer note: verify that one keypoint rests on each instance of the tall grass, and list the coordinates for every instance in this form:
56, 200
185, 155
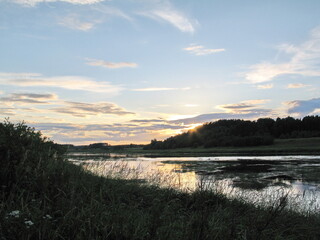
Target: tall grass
174, 176
42, 196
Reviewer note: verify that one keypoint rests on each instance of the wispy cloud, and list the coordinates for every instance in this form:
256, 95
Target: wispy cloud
244, 106
265, 86
203, 118
297, 85
164, 11
250, 109
101, 63
114, 133
108, 11
4, 75
304, 60
176, 19
6, 110
79, 109
73, 21
35, 96
147, 121
11, 106
88, 18
304, 107
200, 50
158, 89
153, 89
14, 104
264, 72
29, 98
32, 3
66, 82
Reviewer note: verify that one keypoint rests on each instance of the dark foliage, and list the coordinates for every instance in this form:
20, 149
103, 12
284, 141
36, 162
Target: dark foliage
241, 133
22, 150
98, 145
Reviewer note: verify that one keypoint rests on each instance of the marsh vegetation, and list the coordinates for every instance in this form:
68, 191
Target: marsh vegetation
258, 180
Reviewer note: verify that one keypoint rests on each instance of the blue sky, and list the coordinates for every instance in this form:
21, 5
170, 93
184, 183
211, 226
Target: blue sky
128, 71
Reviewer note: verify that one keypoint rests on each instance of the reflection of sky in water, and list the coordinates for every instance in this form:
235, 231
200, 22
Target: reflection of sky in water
300, 187
230, 158
172, 172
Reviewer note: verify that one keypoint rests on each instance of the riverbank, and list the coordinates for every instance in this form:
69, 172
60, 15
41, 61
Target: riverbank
294, 146
45, 197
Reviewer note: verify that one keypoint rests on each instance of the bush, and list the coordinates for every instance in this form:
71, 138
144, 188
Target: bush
22, 150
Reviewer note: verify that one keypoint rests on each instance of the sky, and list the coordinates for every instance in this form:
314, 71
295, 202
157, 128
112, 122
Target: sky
128, 71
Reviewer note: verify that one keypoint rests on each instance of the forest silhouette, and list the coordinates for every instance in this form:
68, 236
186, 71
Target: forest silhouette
242, 133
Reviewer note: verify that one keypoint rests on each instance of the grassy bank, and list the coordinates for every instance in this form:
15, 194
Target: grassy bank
44, 197
294, 146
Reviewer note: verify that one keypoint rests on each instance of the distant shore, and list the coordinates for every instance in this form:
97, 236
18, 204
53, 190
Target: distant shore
294, 146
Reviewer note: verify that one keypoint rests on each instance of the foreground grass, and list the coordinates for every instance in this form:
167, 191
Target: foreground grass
44, 197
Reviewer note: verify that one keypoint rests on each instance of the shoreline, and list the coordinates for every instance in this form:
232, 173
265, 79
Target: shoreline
281, 147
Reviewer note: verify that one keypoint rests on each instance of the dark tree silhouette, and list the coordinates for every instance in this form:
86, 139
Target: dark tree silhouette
240, 133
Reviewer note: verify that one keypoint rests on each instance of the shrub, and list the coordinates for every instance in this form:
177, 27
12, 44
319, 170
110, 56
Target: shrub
22, 150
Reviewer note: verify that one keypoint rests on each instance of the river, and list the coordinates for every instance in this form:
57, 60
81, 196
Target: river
261, 180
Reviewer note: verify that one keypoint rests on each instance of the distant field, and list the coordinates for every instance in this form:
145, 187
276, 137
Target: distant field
280, 146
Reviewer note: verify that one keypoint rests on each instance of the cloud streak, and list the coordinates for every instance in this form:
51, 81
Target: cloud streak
74, 22
161, 11
79, 109
7, 110
88, 19
108, 11
305, 60
176, 19
33, 3
203, 118
118, 132
29, 98
265, 86
304, 107
158, 89
164, 11
12, 104
66, 82
200, 50
297, 85
101, 63
244, 110
244, 106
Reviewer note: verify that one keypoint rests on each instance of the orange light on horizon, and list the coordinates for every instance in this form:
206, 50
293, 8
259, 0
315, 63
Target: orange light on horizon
193, 126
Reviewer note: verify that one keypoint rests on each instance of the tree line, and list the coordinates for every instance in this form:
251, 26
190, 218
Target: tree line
238, 133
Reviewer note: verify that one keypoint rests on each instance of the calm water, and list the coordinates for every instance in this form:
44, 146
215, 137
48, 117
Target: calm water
261, 180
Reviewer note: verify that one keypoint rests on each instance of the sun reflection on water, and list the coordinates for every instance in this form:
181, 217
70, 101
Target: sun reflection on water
190, 174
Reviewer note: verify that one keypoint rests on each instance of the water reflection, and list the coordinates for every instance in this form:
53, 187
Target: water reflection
255, 179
